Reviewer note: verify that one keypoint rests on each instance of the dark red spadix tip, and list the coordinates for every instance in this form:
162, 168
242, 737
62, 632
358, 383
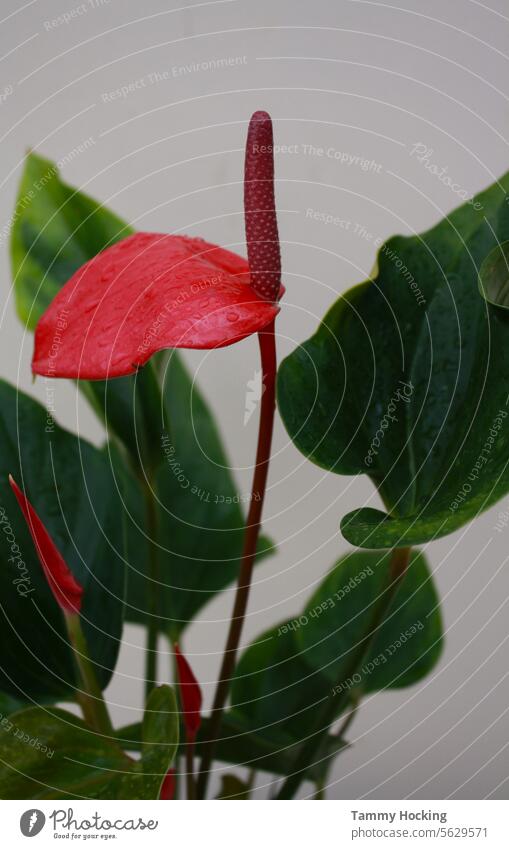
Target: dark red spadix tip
260, 209
190, 696
61, 581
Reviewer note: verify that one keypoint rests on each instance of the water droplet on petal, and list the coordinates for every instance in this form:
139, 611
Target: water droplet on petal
232, 316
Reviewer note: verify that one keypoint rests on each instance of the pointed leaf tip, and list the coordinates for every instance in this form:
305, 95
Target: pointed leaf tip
67, 591
190, 694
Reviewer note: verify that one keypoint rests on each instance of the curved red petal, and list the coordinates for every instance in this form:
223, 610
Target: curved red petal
190, 693
168, 786
148, 292
63, 584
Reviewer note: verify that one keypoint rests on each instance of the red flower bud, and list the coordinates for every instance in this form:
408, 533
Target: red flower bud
190, 695
62, 583
168, 785
260, 209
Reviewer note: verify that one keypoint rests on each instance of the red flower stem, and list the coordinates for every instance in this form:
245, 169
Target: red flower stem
310, 751
268, 405
190, 782
90, 697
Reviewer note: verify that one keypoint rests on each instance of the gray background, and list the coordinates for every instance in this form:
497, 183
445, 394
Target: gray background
367, 78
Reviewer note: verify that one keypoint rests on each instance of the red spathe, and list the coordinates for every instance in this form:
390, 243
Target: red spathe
191, 697
62, 582
148, 292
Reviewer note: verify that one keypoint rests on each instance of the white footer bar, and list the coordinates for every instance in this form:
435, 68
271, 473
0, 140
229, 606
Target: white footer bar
256, 825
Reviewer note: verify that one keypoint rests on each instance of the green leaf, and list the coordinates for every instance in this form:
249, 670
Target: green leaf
275, 692
201, 519
51, 754
407, 380
408, 644
130, 409
48, 753
494, 276
160, 736
284, 676
69, 483
55, 229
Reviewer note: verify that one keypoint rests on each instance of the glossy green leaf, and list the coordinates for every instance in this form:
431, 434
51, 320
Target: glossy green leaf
48, 753
286, 674
494, 276
56, 228
408, 644
160, 735
51, 754
69, 483
275, 691
201, 516
131, 410
407, 379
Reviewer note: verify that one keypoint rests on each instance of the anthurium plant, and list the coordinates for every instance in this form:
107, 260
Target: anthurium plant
405, 380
